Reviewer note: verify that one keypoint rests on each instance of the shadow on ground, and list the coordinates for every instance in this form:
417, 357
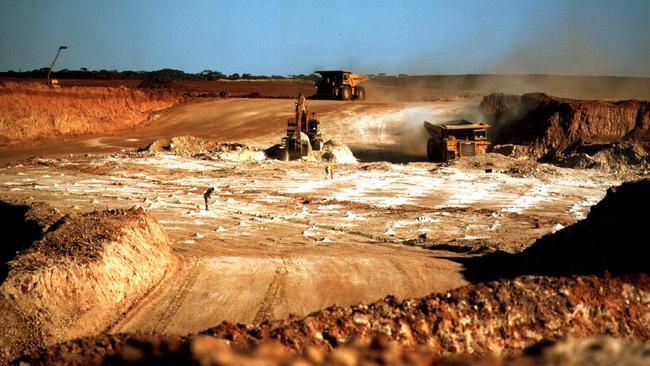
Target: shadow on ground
387, 153
21, 225
18, 233
614, 238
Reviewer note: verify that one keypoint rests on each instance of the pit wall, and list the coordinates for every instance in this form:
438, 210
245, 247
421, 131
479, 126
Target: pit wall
33, 113
547, 124
47, 299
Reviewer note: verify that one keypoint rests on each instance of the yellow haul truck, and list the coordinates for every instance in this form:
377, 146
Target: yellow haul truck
455, 139
340, 84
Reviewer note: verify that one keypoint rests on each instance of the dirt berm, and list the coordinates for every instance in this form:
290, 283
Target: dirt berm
613, 238
79, 277
498, 319
593, 351
540, 125
35, 113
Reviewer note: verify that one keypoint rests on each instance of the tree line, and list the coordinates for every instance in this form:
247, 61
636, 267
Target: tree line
162, 74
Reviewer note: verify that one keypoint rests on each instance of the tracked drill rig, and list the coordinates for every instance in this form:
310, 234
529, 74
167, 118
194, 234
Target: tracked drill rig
54, 83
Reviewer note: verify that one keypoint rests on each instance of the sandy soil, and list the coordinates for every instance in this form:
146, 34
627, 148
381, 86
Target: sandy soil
278, 238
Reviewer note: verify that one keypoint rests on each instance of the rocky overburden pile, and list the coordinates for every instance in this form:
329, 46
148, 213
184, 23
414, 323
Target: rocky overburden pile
196, 147
539, 125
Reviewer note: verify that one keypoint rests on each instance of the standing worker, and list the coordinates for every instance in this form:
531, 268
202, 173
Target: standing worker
329, 172
206, 196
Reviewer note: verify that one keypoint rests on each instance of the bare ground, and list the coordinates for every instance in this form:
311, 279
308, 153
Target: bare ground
278, 238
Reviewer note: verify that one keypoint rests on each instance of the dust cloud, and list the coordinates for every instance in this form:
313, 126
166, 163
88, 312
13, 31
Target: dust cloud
411, 137
456, 87
401, 129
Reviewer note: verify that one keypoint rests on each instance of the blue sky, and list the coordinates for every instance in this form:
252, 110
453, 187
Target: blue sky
294, 37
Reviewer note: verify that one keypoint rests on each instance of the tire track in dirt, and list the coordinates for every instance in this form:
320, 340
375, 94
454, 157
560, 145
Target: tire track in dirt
195, 267
275, 291
162, 301
406, 276
308, 223
146, 299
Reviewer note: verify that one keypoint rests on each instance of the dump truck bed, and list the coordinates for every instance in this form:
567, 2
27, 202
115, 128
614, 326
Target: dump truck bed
455, 139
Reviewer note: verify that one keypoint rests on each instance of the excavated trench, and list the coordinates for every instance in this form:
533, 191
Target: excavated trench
505, 315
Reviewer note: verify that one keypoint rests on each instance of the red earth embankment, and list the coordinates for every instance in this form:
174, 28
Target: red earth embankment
34, 113
79, 277
544, 125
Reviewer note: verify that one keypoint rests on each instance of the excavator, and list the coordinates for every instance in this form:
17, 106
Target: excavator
303, 133
54, 83
340, 84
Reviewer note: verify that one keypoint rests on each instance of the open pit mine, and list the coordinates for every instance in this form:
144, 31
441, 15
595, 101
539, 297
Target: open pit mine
240, 225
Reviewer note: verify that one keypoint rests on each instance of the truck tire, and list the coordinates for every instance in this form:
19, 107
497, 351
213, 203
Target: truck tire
345, 93
432, 150
361, 93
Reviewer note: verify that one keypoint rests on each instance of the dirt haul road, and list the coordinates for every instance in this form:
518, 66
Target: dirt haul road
279, 238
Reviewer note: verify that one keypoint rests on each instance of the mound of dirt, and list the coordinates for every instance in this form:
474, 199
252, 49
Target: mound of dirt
31, 112
547, 126
103, 260
520, 168
190, 146
332, 151
617, 156
498, 318
379, 350
337, 152
612, 238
